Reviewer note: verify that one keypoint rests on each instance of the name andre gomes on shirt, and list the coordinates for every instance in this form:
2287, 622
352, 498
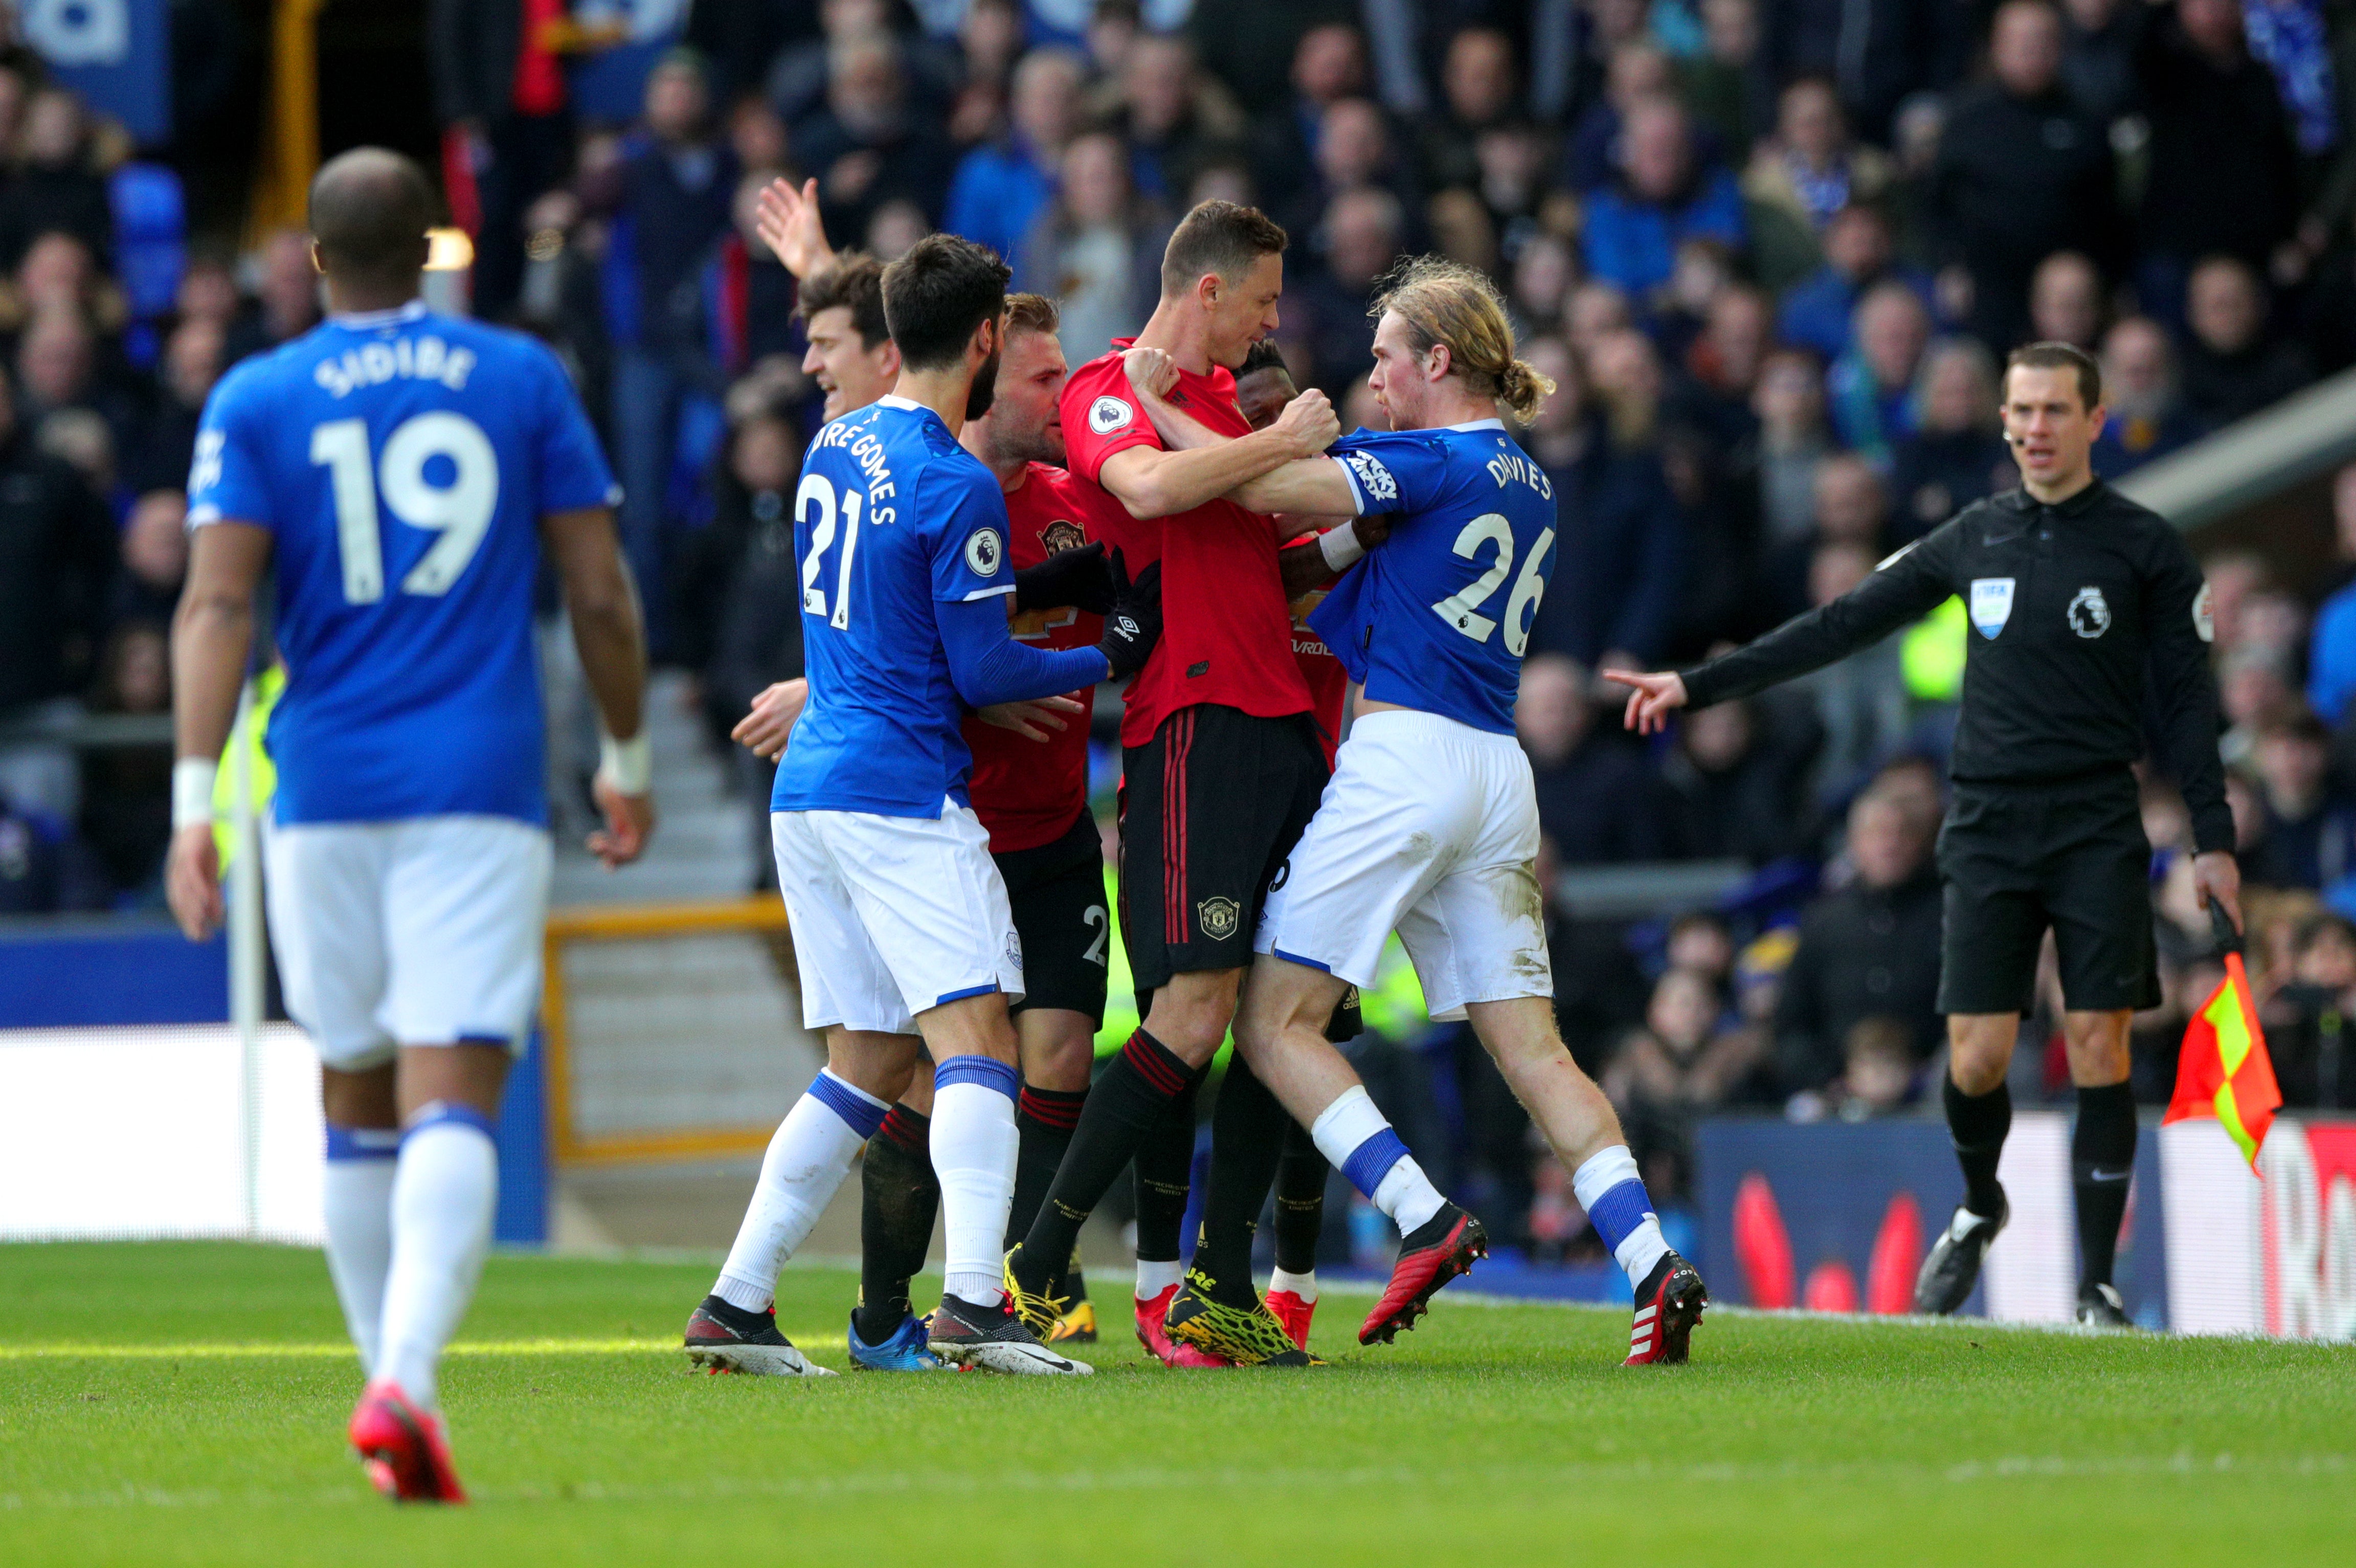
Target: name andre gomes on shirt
866, 451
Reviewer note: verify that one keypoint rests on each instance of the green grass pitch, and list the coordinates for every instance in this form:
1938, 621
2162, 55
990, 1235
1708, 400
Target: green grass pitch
164, 1405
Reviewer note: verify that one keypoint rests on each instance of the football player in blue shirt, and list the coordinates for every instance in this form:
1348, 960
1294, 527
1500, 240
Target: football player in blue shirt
1429, 826
400, 473
900, 920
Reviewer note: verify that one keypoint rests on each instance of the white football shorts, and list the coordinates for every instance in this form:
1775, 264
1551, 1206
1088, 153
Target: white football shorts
424, 931
892, 916
1428, 827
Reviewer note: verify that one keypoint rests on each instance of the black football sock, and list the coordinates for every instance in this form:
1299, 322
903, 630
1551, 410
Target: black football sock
1977, 1124
1300, 1201
1074, 1286
899, 1199
1044, 1120
1125, 1104
1246, 1141
2102, 1159
1165, 1174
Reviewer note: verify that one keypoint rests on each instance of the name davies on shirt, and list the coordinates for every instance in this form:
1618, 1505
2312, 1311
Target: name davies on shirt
866, 451
1507, 466
423, 358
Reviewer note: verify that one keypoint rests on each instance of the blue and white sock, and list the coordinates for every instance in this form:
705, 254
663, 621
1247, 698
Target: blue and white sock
1609, 1189
974, 1143
1359, 1142
358, 1209
444, 1189
807, 1158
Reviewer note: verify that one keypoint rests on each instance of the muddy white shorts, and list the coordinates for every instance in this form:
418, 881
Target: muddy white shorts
892, 916
424, 931
1428, 827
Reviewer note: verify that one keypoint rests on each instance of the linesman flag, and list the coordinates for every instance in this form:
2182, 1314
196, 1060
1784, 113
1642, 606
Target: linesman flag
2224, 1071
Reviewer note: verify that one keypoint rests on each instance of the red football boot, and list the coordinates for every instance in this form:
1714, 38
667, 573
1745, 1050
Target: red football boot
403, 1449
1668, 1308
1153, 1332
1188, 1358
1441, 1248
1294, 1312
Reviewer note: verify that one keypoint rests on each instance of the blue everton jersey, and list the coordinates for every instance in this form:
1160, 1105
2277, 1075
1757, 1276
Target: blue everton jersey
1437, 619
891, 517
402, 462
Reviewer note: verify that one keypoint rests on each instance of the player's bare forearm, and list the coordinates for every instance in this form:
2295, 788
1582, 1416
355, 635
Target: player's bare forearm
603, 604
212, 634
1303, 570
1152, 483
1311, 485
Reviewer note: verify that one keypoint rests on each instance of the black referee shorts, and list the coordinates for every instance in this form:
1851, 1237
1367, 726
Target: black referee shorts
1057, 892
2018, 858
1210, 808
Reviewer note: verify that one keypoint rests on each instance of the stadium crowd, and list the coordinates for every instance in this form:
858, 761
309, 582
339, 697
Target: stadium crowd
1772, 252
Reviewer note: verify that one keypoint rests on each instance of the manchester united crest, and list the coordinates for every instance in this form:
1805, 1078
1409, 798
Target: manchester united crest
1059, 536
1218, 918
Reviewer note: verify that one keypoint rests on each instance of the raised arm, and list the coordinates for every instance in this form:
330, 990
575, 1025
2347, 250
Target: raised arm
788, 224
603, 605
212, 635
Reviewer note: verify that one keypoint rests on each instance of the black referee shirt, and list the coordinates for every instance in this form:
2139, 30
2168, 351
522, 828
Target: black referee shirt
2070, 606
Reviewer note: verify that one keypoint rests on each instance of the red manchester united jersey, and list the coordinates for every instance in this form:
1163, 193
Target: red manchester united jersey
1027, 792
1226, 633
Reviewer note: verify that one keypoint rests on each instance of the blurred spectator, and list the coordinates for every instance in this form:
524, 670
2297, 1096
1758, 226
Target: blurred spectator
1478, 91
2224, 172
1636, 69
1818, 311
1721, 367
194, 357
1870, 389
1000, 189
1869, 951
2254, 693
1361, 237
1880, 1075
1174, 114
990, 39
1678, 1066
1353, 152
2310, 827
57, 185
1597, 800
2231, 368
499, 92
1734, 784
1792, 440
871, 143
1726, 86
677, 189
1544, 270
1461, 229
287, 300
2314, 1056
1810, 170
1664, 195
1876, 51
1621, 537
1096, 251
56, 560
1595, 310
1849, 505
752, 519
2022, 172
57, 367
2098, 55
1328, 65
1956, 454
155, 558
800, 78
2065, 301
2147, 418
45, 869
1860, 701
126, 814
2332, 650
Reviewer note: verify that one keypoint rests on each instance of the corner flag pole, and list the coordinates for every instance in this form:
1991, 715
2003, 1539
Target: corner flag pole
245, 958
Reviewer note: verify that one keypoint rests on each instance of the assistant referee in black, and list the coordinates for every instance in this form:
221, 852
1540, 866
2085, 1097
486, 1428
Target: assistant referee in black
2076, 593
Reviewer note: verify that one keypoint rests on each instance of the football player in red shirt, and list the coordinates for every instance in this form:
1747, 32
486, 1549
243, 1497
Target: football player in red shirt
1221, 767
